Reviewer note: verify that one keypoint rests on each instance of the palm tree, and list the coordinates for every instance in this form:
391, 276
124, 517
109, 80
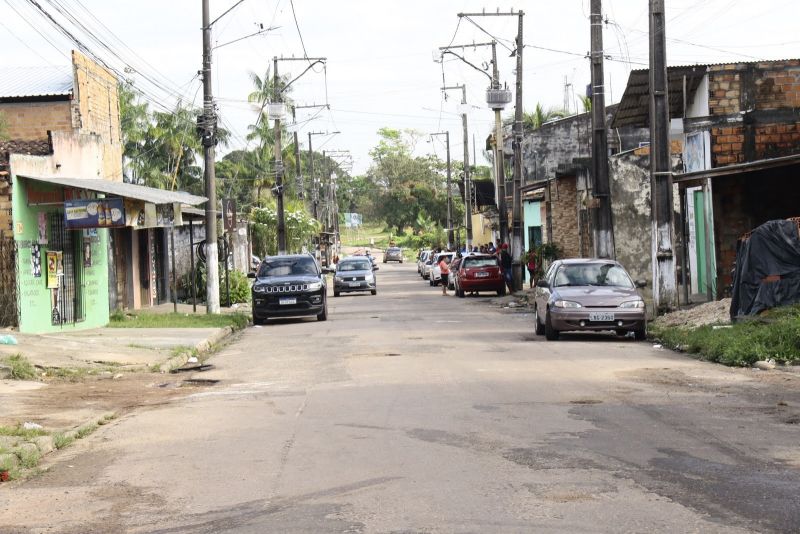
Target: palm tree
534, 120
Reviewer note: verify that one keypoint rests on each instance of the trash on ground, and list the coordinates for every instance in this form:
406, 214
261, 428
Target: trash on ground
31, 426
764, 365
657, 346
8, 339
720, 326
192, 359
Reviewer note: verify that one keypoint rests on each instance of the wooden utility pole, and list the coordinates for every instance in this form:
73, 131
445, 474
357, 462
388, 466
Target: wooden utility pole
665, 293
279, 163
467, 180
602, 225
208, 135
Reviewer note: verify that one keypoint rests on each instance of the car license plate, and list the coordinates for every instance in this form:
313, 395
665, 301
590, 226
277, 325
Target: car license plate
601, 316
481, 274
355, 284
287, 300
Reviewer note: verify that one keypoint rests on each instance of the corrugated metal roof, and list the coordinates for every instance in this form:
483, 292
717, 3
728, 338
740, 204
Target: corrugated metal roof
20, 82
122, 189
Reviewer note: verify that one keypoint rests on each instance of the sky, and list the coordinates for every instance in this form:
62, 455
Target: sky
382, 62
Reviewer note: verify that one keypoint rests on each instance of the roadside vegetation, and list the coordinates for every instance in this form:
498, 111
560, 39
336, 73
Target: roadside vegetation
773, 335
21, 368
177, 320
22, 448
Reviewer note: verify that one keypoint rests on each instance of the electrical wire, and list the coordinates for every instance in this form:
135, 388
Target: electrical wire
299, 33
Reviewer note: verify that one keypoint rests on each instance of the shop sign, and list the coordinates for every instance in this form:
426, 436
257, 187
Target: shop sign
162, 215
94, 213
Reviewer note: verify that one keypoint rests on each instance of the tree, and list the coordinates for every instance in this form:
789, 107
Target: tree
534, 120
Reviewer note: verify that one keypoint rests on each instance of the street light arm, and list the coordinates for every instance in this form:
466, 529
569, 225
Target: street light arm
259, 32
285, 87
234, 6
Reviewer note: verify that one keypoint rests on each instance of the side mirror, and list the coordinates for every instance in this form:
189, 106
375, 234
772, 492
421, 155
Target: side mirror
251, 274
327, 270
641, 283
542, 283
375, 268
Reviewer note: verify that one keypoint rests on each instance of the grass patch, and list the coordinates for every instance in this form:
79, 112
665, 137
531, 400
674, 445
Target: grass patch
178, 320
361, 237
61, 440
21, 368
107, 419
84, 431
20, 432
774, 334
28, 458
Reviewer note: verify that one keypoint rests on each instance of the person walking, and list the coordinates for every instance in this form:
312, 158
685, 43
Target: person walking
532, 267
444, 267
505, 263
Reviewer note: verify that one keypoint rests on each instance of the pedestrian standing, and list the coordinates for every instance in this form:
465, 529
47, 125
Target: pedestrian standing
532, 267
444, 267
505, 263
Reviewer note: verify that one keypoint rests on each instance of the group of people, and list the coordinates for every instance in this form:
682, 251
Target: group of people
505, 260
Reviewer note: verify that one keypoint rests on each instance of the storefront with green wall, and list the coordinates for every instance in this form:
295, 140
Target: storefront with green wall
62, 273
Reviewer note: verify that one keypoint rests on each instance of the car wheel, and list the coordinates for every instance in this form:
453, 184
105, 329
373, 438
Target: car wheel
640, 334
539, 326
323, 315
259, 320
549, 332
336, 293
501, 292
430, 282
401, 261
374, 292
460, 293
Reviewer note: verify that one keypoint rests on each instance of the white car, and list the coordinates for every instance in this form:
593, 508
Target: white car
423, 256
436, 273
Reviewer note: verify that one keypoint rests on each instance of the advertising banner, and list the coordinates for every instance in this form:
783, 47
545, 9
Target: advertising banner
55, 267
94, 213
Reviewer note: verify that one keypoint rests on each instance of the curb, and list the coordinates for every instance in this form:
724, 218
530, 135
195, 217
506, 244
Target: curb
203, 347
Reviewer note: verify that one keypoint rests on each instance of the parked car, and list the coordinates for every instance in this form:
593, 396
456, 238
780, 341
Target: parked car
428, 266
393, 254
588, 294
478, 272
355, 273
436, 273
289, 286
421, 258
453, 268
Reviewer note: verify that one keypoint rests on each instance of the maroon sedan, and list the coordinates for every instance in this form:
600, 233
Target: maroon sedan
479, 272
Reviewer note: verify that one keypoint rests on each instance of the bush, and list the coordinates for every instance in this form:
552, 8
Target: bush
240, 287
21, 368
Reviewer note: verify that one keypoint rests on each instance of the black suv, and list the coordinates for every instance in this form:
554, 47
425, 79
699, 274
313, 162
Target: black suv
289, 286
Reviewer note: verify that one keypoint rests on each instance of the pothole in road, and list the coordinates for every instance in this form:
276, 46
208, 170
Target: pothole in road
199, 382
586, 401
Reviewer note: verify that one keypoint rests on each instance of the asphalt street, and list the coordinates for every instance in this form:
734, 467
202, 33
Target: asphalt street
417, 413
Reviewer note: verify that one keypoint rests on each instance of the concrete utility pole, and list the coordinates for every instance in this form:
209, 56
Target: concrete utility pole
449, 192
516, 214
208, 132
298, 177
499, 158
665, 292
314, 181
467, 180
602, 223
279, 162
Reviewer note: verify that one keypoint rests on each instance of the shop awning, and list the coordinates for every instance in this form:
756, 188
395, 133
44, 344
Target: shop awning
691, 179
122, 189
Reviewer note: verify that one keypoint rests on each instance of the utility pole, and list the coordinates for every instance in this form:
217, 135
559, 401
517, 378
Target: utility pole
208, 132
298, 171
314, 182
665, 293
467, 180
516, 214
279, 161
497, 99
449, 191
603, 229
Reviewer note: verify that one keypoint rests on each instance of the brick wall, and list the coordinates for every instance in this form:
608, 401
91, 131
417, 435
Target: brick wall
32, 120
565, 217
768, 94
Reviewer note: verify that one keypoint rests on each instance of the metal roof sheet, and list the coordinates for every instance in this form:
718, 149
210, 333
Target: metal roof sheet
122, 189
20, 82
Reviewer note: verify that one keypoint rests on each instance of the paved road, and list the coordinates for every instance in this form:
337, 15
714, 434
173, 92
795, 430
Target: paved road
413, 412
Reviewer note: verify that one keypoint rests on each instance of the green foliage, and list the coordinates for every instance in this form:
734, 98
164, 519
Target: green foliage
20, 431
775, 334
239, 286
84, 431
300, 228
28, 458
61, 440
21, 368
181, 320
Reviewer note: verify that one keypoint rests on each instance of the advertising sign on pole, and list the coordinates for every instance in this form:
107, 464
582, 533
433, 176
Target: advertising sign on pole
229, 215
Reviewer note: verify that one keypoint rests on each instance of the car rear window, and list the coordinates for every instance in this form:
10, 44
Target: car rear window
471, 263
394, 250
287, 267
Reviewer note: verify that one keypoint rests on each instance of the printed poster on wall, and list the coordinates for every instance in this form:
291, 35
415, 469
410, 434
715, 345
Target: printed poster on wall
42, 240
87, 254
94, 213
36, 260
53, 262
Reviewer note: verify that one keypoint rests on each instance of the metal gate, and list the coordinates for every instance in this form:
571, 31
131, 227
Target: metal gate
8, 283
69, 301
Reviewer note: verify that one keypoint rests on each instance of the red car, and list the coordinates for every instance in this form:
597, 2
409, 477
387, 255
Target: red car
479, 272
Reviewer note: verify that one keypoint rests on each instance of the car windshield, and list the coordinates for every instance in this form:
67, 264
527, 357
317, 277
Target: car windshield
287, 267
593, 274
360, 265
394, 250
471, 263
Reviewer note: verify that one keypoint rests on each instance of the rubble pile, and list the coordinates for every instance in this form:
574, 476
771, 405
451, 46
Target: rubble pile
716, 312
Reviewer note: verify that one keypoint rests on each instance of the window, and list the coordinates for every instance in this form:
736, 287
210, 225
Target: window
288, 267
593, 274
471, 263
355, 266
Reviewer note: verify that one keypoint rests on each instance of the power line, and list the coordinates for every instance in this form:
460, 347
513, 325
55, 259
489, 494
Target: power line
299, 33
